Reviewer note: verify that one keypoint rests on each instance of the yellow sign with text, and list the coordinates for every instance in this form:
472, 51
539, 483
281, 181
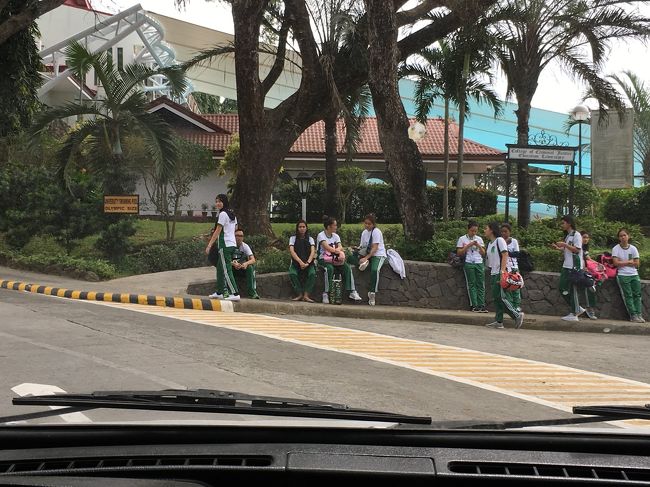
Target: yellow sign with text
129, 203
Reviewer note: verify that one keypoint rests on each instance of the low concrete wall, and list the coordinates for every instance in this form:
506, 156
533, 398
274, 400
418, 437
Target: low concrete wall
440, 286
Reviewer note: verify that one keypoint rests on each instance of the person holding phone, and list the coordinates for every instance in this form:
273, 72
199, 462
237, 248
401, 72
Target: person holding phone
471, 247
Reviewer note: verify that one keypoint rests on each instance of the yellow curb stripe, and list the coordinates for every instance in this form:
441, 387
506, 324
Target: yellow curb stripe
197, 304
76, 294
21, 286
61, 292
92, 296
178, 303
142, 299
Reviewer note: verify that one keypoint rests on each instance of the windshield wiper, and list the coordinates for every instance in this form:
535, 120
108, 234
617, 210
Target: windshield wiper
593, 414
210, 401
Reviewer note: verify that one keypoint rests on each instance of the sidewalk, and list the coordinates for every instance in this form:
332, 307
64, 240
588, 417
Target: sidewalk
174, 283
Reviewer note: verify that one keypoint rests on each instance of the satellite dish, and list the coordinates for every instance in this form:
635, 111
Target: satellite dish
417, 131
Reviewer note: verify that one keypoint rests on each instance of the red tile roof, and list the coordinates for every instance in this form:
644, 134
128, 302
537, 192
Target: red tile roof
311, 142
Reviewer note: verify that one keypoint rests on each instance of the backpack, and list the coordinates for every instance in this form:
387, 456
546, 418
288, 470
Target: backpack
607, 261
524, 261
455, 260
597, 270
581, 278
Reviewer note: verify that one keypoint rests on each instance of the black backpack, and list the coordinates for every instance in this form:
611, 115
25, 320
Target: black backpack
524, 261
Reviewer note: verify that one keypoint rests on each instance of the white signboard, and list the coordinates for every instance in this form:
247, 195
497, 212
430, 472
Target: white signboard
541, 154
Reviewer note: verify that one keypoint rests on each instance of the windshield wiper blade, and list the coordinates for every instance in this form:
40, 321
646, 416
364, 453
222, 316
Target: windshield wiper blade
214, 401
617, 412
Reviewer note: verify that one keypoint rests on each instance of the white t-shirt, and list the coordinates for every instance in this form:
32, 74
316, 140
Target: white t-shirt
333, 241
292, 241
245, 249
513, 246
575, 240
493, 253
473, 254
229, 228
377, 238
626, 254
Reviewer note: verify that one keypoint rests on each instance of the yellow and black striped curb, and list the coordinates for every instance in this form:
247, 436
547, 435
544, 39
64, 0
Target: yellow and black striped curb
144, 299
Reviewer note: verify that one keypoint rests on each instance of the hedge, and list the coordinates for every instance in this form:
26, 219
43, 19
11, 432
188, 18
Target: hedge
628, 205
378, 199
78, 268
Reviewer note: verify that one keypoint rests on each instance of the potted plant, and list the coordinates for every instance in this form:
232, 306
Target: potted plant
214, 211
204, 210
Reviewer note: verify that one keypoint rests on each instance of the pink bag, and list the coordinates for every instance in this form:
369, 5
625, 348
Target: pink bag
334, 259
596, 269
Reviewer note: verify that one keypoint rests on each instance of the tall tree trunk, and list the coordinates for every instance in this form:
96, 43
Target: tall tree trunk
523, 179
445, 192
332, 205
458, 206
403, 160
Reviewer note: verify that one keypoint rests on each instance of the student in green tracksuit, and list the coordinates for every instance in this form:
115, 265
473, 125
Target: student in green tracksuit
497, 261
572, 249
329, 242
224, 234
513, 248
243, 263
303, 253
471, 247
371, 252
626, 259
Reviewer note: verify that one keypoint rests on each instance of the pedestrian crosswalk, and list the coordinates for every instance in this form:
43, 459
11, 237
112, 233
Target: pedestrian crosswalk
547, 384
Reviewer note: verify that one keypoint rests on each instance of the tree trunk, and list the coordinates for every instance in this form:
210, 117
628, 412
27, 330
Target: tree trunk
333, 208
403, 159
445, 192
523, 179
458, 206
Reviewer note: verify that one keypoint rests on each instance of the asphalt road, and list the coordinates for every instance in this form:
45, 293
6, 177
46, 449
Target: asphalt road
82, 347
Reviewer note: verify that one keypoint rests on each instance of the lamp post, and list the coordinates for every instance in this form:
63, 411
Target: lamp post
304, 183
580, 114
488, 173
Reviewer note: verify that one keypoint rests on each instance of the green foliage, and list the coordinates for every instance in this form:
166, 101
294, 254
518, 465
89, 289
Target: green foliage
43, 244
168, 256
555, 191
273, 261
114, 241
58, 264
212, 104
230, 162
351, 179
628, 205
21, 78
259, 244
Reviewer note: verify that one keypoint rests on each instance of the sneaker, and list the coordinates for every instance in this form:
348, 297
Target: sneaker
355, 296
591, 315
581, 311
474, 309
371, 299
641, 318
326, 298
254, 296
519, 321
216, 296
637, 319
483, 309
233, 297
570, 317
495, 324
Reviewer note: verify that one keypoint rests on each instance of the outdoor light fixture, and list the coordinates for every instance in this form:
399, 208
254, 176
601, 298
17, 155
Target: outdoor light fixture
580, 114
304, 183
417, 131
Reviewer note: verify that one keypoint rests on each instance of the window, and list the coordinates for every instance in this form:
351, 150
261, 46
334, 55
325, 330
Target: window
120, 58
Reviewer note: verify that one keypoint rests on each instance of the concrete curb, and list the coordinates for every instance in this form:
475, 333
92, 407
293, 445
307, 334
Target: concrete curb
144, 299
531, 322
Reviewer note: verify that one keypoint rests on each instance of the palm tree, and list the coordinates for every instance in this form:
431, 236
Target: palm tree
638, 94
536, 34
120, 110
451, 73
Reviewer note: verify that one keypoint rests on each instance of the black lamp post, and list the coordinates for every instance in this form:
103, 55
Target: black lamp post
581, 115
304, 184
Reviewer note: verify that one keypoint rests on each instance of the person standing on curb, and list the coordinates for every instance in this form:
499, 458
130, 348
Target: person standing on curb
471, 247
371, 252
224, 233
303, 253
513, 247
626, 259
497, 260
590, 292
329, 246
244, 264
572, 249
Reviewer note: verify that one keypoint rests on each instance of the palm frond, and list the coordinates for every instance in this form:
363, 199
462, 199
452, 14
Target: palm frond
72, 143
207, 56
70, 110
79, 59
159, 141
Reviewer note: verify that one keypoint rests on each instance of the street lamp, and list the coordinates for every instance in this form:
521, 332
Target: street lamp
488, 172
304, 183
580, 114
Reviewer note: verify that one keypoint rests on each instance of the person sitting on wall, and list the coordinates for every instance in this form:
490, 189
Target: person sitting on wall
243, 264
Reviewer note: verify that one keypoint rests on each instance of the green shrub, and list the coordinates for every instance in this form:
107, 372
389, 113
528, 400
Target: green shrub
167, 257
644, 269
603, 232
59, 264
273, 261
628, 205
555, 191
259, 244
114, 241
546, 258
43, 244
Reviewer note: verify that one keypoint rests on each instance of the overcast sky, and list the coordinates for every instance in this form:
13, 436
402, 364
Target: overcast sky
556, 91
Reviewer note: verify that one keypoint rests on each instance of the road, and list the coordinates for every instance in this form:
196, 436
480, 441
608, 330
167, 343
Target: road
486, 374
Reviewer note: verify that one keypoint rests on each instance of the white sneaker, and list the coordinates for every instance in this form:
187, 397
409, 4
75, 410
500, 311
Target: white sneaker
371, 299
216, 296
519, 321
326, 298
641, 318
570, 317
581, 311
495, 324
233, 297
355, 296
637, 319
591, 315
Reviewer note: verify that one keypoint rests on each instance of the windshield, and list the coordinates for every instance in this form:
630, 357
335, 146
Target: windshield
360, 230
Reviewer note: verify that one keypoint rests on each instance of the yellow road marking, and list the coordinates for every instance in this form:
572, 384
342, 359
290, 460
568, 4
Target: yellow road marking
552, 385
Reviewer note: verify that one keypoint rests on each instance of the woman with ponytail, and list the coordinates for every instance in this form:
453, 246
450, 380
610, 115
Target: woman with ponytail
224, 233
